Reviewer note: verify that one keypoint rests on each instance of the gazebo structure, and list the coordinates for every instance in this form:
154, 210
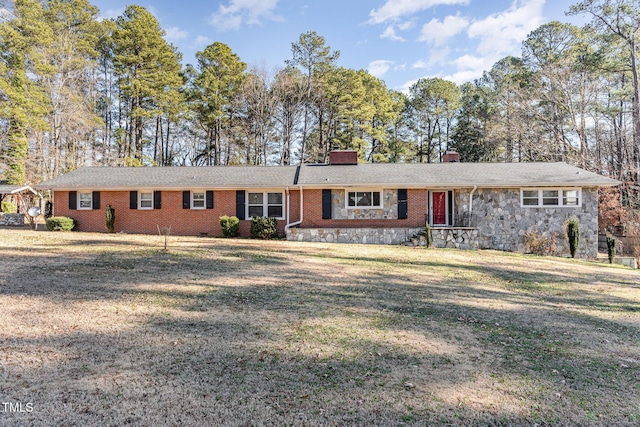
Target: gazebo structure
22, 196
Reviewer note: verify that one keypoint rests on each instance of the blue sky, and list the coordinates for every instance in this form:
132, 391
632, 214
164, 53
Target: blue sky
398, 41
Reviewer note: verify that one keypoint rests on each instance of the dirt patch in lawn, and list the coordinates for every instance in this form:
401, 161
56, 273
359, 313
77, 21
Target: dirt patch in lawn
101, 329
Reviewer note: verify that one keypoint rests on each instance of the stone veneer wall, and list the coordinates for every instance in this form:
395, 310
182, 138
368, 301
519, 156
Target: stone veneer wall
380, 236
460, 238
13, 219
502, 222
389, 207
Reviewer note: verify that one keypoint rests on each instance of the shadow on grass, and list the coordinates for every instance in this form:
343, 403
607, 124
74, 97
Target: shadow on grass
236, 336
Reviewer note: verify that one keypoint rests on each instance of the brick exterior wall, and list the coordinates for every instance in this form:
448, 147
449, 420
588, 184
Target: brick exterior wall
187, 222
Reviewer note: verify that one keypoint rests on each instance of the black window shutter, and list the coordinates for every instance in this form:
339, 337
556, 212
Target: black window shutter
185, 199
240, 204
73, 200
157, 200
210, 199
95, 200
133, 200
326, 204
402, 204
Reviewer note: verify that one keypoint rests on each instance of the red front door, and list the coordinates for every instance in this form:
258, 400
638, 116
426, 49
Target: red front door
439, 207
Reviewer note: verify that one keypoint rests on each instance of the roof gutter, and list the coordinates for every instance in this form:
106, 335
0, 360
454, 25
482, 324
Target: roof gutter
475, 187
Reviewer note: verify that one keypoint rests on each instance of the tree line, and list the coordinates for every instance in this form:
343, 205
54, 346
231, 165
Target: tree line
76, 90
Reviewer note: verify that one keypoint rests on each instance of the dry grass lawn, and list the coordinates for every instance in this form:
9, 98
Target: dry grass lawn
109, 330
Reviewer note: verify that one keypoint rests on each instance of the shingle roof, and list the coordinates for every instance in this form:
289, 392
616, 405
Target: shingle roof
12, 189
178, 177
451, 175
322, 176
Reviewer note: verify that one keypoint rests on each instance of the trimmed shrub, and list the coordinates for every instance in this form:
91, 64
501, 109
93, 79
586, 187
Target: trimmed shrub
428, 236
230, 226
8, 207
48, 209
60, 223
573, 234
111, 219
611, 247
263, 227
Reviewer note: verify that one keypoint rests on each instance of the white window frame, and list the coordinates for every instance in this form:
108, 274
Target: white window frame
79, 200
265, 202
140, 200
561, 197
204, 199
364, 190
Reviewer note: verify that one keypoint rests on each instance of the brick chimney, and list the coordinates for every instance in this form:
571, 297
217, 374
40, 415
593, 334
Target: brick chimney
451, 157
343, 157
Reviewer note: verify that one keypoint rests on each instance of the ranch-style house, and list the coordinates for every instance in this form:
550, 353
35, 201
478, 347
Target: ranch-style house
468, 205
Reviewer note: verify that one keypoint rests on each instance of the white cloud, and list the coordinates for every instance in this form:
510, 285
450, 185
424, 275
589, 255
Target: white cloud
406, 86
466, 62
439, 55
202, 42
438, 32
499, 34
394, 9
407, 25
380, 67
247, 12
463, 76
503, 32
390, 33
421, 64
175, 34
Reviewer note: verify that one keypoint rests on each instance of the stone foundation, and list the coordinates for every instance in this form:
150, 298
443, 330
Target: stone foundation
460, 238
379, 236
12, 219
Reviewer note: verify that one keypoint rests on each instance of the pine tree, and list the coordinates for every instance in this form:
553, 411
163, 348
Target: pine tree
218, 81
148, 69
22, 102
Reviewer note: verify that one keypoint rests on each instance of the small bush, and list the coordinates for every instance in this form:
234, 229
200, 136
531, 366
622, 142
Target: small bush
573, 234
428, 236
230, 226
8, 207
540, 245
60, 223
111, 219
263, 227
48, 209
611, 247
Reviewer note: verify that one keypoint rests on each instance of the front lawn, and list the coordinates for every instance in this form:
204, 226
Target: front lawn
99, 329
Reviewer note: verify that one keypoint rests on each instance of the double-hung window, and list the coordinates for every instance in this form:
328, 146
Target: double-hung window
364, 199
269, 204
145, 200
551, 197
198, 200
85, 200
